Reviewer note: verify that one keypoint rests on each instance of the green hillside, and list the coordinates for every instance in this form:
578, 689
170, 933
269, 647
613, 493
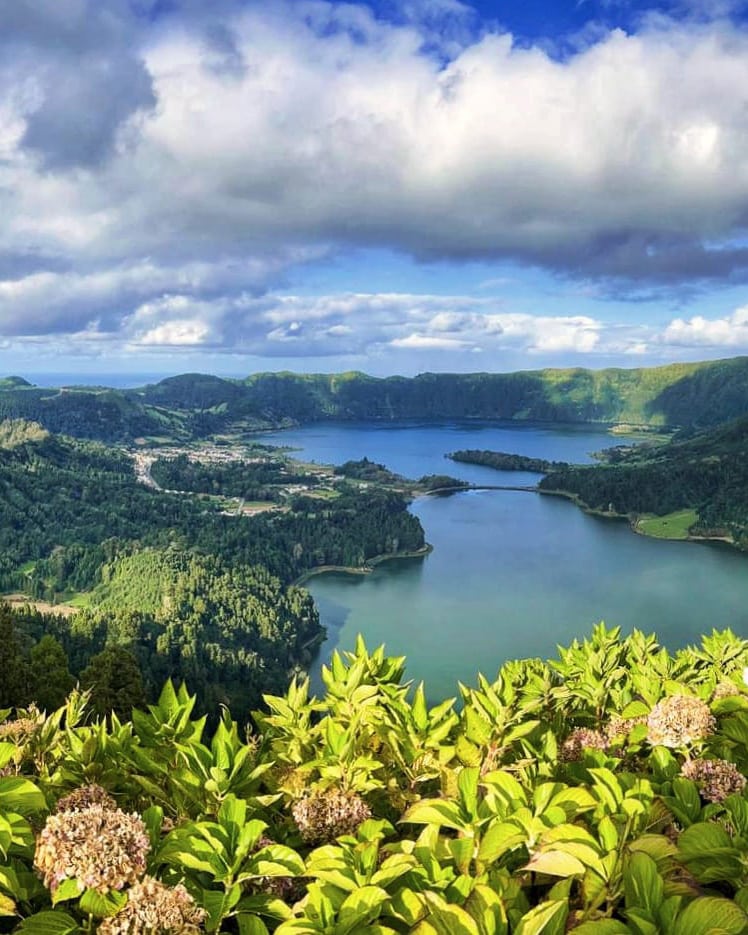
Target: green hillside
705, 473
198, 406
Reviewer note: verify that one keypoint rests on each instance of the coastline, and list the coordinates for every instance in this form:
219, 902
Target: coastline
633, 523
366, 569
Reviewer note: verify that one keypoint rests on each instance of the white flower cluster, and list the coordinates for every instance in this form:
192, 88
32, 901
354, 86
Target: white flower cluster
155, 909
326, 814
679, 720
102, 847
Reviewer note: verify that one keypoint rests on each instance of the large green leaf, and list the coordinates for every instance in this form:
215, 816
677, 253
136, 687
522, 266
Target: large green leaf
251, 924
486, 908
49, 923
643, 885
440, 812
360, 908
556, 864
501, 837
711, 915
445, 919
548, 918
602, 927
20, 795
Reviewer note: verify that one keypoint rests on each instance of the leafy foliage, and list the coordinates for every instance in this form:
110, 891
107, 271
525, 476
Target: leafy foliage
493, 819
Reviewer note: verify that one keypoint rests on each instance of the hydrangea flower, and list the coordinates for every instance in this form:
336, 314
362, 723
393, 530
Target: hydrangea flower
619, 727
325, 814
101, 847
155, 909
85, 797
716, 778
679, 720
579, 740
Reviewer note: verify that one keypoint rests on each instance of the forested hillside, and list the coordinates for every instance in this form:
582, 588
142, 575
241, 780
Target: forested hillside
198, 406
172, 583
676, 394
707, 472
600, 793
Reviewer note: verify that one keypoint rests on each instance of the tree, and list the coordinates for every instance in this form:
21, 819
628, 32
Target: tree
50, 680
14, 671
114, 679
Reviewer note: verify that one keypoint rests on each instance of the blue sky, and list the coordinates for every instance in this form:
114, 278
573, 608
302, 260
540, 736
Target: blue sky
393, 187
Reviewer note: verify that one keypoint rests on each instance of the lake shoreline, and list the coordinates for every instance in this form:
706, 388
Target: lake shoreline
366, 569
633, 522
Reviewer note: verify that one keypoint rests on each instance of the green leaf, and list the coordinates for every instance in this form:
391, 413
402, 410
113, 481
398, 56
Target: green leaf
486, 908
277, 860
68, 889
461, 850
556, 864
607, 833
250, 924
7, 750
20, 795
708, 852
506, 786
440, 812
446, 919
548, 918
688, 797
702, 839
602, 927
501, 837
643, 885
712, 915
392, 869
477, 728
640, 922
49, 923
102, 905
467, 785
418, 708
408, 906
360, 908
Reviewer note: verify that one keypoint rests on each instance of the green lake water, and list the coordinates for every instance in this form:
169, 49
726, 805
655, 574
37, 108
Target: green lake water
512, 574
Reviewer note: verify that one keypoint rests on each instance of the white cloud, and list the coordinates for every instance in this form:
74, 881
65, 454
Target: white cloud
730, 331
429, 342
264, 136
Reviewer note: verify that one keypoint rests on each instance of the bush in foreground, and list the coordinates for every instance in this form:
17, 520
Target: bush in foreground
602, 792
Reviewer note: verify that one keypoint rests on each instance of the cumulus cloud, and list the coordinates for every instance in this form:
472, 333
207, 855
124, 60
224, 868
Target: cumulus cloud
346, 325
160, 175
77, 76
730, 331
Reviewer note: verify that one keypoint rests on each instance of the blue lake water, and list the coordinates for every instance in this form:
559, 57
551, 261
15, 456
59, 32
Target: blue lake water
511, 574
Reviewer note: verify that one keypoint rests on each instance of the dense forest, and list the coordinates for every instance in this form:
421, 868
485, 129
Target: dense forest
253, 479
502, 461
602, 793
707, 472
172, 581
231, 631
194, 406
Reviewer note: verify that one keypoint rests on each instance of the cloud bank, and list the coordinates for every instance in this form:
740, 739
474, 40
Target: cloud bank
160, 176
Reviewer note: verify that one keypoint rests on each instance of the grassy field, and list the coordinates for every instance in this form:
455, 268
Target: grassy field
671, 526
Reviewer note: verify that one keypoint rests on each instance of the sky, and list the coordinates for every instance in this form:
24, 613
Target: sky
394, 186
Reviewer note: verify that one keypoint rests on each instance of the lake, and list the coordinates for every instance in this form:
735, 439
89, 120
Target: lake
512, 574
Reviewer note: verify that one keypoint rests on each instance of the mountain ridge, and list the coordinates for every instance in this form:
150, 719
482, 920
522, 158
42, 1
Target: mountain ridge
190, 406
